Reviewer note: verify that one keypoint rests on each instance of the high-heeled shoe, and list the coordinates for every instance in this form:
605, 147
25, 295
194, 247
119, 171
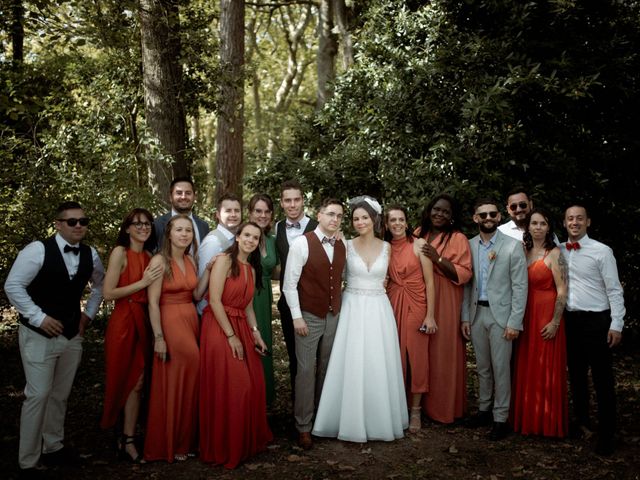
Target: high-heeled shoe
415, 421
122, 450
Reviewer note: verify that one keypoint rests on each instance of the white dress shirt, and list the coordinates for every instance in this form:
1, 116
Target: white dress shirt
296, 260
511, 229
593, 280
28, 264
292, 233
212, 246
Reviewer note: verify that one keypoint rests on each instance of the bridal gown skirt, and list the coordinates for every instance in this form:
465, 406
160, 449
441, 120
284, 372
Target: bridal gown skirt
363, 397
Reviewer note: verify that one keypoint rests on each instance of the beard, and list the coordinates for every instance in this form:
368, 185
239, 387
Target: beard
488, 229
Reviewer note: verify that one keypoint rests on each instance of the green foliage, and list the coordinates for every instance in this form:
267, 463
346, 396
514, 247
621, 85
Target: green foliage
475, 97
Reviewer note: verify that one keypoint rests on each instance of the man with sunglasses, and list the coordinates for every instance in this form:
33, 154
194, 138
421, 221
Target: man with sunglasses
46, 284
518, 207
492, 313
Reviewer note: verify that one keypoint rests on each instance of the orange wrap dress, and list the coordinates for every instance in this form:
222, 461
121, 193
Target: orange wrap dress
233, 415
407, 294
172, 425
539, 391
127, 341
447, 397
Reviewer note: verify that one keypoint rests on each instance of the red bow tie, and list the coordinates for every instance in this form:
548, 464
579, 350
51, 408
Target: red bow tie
573, 246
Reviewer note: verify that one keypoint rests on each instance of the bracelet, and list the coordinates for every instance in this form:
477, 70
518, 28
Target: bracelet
254, 329
440, 260
232, 335
159, 336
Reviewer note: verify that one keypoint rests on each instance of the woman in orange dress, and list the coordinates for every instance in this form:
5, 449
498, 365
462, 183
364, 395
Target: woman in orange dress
540, 405
173, 404
450, 253
412, 296
126, 340
233, 415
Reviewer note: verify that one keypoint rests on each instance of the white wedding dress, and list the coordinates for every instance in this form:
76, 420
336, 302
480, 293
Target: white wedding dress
363, 396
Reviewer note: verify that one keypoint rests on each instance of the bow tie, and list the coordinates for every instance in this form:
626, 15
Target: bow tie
69, 248
293, 225
573, 246
332, 241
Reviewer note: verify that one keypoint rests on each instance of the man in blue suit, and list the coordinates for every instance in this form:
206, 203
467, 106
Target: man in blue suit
492, 313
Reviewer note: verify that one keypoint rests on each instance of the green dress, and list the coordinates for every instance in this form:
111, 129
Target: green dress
262, 301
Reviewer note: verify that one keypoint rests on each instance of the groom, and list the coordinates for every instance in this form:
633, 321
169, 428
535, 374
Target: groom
312, 286
492, 313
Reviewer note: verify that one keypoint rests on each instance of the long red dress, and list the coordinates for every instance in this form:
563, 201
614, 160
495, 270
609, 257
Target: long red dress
447, 397
233, 415
173, 404
539, 391
126, 342
407, 294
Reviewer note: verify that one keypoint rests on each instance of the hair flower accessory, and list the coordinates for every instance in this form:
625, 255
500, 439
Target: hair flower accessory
492, 255
366, 198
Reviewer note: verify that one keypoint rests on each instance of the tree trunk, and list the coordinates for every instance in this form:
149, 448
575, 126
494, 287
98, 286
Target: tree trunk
327, 50
17, 32
229, 134
340, 9
162, 81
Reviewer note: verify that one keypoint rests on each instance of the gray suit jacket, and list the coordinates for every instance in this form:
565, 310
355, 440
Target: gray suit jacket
160, 223
506, 286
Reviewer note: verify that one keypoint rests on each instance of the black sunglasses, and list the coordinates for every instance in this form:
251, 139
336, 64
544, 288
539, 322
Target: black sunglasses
72, 222
514, 206
483, 215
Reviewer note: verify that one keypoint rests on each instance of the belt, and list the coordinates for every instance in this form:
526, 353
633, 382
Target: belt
483, 303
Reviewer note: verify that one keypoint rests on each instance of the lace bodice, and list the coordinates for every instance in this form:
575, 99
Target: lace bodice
362, 280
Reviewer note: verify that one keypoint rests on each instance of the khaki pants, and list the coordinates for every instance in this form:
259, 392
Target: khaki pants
50, 365
312, 353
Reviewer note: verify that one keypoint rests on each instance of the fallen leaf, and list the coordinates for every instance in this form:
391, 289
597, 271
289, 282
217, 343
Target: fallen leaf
366, 451
346, 468
294, 458
453, 449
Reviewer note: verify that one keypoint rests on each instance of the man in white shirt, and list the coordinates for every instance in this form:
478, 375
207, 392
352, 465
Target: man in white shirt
312, 286
46, 284
518, 206
182, 196
594, 320
295, 224
229, 216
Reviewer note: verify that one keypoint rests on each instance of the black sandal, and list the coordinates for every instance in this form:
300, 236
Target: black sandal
122, 450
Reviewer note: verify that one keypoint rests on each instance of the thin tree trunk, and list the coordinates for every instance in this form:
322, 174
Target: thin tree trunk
162, 81
17, 32
340, 10
327, 50
229, 134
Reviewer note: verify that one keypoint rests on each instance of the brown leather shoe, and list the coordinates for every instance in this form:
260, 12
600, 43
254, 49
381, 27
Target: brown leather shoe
304, 441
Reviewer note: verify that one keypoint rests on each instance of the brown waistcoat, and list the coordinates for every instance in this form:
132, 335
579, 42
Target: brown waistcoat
319, 287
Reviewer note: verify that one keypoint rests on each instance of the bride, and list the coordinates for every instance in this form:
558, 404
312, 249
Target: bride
363, 397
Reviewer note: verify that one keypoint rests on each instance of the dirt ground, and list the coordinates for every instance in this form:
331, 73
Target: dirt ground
438, 451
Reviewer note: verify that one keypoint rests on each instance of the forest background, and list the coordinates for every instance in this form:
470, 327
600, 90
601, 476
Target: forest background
105, 101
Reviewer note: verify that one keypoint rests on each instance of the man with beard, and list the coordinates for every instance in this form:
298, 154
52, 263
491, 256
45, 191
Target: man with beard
182, 195
518, 207
492, 314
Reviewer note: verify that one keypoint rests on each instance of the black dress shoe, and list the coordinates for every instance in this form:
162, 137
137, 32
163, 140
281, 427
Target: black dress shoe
480, 419
64, 456
32, 473
605, 447
499, 431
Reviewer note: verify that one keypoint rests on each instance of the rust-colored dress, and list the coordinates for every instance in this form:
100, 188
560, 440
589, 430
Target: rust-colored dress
126, 342
407, 294
233, 415
173, 404
447, 397
540, 405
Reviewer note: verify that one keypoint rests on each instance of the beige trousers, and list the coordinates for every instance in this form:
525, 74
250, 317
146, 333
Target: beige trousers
50, 365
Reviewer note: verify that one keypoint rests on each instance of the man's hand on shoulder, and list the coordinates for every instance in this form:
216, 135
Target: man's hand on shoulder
300, 326
613, 338
51, 326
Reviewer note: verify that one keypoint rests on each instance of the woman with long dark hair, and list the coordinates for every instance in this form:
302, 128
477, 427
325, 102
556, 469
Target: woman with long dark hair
261, 213
233, 416
450, 253
127, 340
539, 393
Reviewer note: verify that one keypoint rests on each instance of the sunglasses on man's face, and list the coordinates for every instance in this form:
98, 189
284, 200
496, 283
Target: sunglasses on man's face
72, 222
483, 215
514, 206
